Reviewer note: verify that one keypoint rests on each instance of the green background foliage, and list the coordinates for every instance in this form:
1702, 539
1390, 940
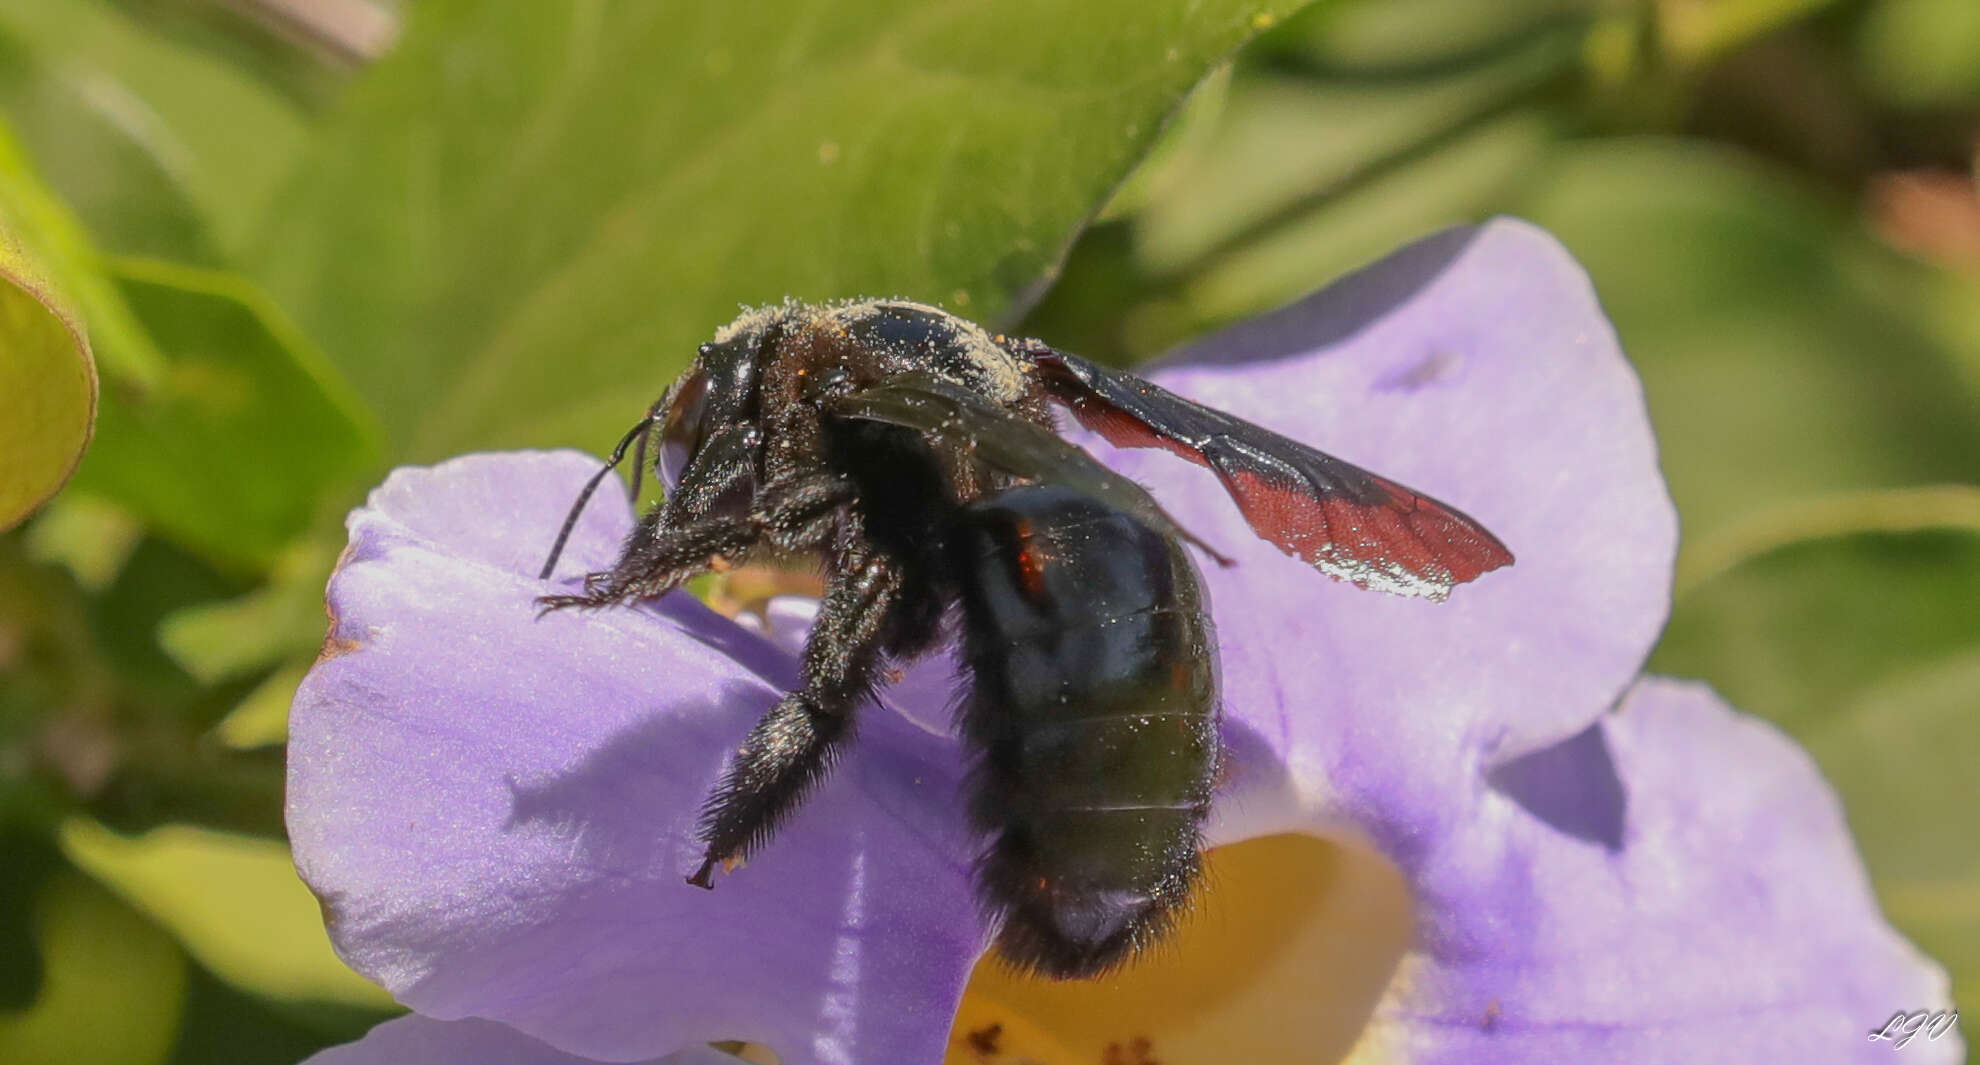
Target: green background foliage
49, 379
306, 253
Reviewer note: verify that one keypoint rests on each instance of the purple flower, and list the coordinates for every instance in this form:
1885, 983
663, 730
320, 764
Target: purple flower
497, 811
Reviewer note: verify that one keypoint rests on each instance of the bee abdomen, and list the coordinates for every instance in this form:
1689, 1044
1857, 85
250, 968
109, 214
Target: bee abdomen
1093, 712
1094, 826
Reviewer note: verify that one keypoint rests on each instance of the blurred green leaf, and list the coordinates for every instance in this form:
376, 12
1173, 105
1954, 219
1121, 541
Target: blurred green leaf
282, 619
124, 352
159, 579
1922, 52
194, 780
1894, 510
56, 695
226, 1026
1694, 31
248, 435
1308, 175
234, 901
219, 424
1111, 308
530, 214
91, 538
127, 124
1290, 144
1190, 132
1782, 350
1797, 631
114, 985
281, 45
94, 714
1866, 646
1402, 37
1950, 304
30, 859
1902, 754
47, 379
261, 719
1454, 182
114, 178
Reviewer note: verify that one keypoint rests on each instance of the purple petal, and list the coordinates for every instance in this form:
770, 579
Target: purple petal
1475, 366
506, 513
1715, 911
417, 1040
497, 811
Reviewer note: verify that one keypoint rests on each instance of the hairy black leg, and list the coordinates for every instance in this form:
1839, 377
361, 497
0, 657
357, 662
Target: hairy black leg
792, 746
795, 514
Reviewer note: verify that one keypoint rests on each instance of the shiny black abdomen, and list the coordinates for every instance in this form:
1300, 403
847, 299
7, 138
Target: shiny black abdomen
1093, 714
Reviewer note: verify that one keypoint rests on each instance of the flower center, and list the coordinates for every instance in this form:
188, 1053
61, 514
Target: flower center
1283, 958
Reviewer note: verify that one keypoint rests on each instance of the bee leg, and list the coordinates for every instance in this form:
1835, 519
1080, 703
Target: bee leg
792, 746
795, 514
673, 556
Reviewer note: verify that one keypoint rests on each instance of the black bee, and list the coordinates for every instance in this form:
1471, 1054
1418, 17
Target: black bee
916, 454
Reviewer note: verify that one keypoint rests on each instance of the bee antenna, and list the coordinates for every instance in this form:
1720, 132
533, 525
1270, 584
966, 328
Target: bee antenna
638, 432
639, 452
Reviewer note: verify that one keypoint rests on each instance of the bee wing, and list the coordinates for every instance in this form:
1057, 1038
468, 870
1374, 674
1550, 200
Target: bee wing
945, 411
1343, 520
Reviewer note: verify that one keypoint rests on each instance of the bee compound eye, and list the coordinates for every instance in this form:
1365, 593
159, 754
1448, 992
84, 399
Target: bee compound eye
682, 430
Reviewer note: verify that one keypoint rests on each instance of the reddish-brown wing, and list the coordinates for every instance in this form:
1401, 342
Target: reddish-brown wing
1346, 522
945, 411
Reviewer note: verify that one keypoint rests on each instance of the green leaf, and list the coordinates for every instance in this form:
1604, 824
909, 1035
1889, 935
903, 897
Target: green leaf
1290, 144
234, 901
1694, 33
1902, 753
47, 383
219, 425
157, 580
95, 715
91, 538
122, 122
225, 1026
126, 189
529, 214
282, 619
1453, 183
1785, 355
1389, 35
1922, 53
247, 436
113, 989
1306, 175
261, 719
125, 352
30, 859
1866, 646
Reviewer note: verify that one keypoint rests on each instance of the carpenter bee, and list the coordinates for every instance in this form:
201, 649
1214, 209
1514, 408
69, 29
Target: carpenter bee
915, 454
